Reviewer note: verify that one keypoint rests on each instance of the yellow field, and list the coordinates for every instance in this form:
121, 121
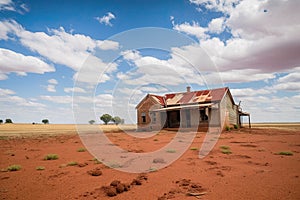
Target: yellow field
54, 129
289, 126
28, 130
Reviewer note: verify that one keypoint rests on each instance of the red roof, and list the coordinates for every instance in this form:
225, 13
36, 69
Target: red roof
202, 96
159, 99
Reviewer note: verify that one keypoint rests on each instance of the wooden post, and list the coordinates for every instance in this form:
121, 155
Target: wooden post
249, 120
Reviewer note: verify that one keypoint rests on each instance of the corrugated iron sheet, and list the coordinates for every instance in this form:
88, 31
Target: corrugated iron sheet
202, 96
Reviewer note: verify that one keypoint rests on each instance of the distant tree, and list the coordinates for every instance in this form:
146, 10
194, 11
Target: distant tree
1, 121
117, 120
8, 121
122, 121
106, 118
45, 121
92, 121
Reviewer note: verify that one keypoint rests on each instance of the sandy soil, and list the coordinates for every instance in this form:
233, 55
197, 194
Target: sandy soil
253, 170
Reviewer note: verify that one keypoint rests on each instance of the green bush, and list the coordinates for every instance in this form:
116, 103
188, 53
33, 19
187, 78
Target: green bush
235, 126
224, 147
96, 161
39, 168
81, 150
51, 157
226, 151
73, 163
227, 128
285, 153
14, 168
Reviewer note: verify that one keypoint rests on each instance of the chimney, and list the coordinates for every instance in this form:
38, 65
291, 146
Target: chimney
188, 89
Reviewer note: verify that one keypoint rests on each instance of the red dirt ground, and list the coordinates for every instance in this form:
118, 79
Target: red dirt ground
252, 171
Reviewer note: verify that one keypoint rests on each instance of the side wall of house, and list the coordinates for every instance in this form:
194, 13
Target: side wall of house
152, 119
231, 112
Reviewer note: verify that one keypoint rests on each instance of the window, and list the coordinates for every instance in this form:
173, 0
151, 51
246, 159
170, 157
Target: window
153, 117
143, 117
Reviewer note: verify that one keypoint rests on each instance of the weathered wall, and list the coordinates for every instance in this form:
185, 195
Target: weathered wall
215, 115
192, 121
231, 112
146, 107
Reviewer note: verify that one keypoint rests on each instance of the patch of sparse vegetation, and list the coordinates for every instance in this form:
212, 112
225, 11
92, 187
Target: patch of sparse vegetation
152, 169
171, 151
194, 148
51, 157
226, 151
81, 149
40, 168
72, 163
227, 128
96, 161
14, 168
285, 153
4, 137
235, 126
114, 165
224, 147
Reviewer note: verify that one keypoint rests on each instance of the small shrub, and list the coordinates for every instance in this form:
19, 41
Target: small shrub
194, 148
73, 163
115, 165
51, 157
235, 126
226, 151
155, 140
39, 168
14, 168
152, 169
225, 147
285, 153
171, 151
227, 128
96, 161
81, 150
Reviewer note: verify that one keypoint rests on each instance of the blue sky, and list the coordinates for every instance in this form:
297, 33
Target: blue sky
107, 54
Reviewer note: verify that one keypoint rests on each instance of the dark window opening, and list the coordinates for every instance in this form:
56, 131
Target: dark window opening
143, 117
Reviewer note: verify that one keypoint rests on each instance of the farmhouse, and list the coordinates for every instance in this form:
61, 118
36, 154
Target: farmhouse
189, 109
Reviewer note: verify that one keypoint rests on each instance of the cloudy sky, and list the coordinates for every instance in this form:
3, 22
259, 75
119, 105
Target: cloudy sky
106, 54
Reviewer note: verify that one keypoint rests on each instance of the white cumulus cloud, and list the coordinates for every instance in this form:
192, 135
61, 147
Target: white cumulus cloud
11, 61
106, 19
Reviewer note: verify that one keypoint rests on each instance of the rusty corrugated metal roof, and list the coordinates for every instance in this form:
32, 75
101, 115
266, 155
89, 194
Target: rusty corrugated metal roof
202, 96
159, 99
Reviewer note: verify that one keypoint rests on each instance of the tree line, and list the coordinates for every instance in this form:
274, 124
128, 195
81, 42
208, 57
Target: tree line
9, 121
106, 118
